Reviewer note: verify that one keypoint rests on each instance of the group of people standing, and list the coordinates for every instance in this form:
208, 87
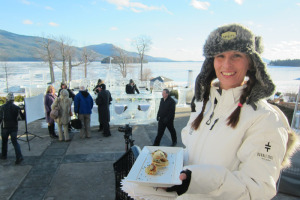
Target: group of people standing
64, 101
83, 105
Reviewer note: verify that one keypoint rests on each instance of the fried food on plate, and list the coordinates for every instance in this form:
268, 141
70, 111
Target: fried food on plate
151, 169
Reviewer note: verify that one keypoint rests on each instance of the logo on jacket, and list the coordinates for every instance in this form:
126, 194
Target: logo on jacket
268, 146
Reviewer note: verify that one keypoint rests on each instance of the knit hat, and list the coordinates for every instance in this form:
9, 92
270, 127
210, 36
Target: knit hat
10, 96
235, 37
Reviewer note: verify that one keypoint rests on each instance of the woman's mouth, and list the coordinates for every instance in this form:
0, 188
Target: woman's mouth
228, 73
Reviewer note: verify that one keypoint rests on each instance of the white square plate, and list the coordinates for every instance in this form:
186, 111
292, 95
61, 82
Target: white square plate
165, 177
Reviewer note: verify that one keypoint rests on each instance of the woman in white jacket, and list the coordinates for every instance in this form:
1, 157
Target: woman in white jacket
64, 102
236, 143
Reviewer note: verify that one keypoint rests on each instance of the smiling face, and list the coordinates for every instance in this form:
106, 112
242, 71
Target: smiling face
231, 68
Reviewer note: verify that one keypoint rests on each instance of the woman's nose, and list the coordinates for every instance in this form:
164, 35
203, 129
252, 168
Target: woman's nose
227, 62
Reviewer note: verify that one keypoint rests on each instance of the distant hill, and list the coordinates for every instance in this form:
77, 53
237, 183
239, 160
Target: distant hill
15, 47
288, 62
108, 50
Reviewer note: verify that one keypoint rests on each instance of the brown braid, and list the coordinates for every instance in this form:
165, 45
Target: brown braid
234, 118
196, 123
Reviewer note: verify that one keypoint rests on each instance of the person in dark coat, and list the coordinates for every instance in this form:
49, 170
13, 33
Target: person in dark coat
9, 115
103, 100
131, 87
165, 118
83, 105
48, 100
64, 86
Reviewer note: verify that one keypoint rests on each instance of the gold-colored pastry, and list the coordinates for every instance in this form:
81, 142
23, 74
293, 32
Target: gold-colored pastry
163, 162
151, 169
160, 153
159, 158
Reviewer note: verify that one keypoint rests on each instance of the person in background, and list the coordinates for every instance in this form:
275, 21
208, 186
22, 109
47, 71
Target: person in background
103, 101
48, 100
165, 118
236, 143
64, 86
96, 88
131, 88
83, 105
9, 115
96, 91
63, 121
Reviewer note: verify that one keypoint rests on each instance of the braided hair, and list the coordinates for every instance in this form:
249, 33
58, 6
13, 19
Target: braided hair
234, 118
209, 79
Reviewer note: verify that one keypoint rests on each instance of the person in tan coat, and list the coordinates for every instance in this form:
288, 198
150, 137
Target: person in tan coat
64, 103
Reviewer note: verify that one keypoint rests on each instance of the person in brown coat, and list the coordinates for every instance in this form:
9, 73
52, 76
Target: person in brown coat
64, 103
48, 100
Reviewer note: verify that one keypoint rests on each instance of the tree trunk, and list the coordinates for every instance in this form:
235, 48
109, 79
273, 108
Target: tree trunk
142, 58
85, 70
51, 71
70, 69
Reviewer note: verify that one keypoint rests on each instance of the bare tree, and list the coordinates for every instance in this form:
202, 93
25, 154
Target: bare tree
88, 56
70, 52
122, 59
48, 54
64, 48
142, 44
4, 65
147, 74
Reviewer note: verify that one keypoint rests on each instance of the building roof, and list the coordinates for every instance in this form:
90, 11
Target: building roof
161, 79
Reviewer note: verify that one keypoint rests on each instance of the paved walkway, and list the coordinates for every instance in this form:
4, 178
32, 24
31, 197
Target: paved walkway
80, 169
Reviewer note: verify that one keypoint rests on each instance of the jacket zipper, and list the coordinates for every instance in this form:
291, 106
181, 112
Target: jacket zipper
212, 115
216, 120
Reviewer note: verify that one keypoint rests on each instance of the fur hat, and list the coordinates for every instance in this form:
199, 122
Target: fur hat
10, 96
64, 93
235, 37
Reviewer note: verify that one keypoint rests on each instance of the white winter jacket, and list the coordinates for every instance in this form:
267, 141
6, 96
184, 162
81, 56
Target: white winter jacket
234, 163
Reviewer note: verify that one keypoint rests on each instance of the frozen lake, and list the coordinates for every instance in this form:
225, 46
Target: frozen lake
26, 73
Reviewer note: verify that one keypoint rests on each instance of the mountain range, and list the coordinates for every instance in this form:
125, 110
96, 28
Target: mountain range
15, 47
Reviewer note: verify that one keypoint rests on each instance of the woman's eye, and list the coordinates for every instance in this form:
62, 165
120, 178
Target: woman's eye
220, 56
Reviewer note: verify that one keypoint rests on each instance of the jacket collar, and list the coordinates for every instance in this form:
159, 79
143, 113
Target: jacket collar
226, 97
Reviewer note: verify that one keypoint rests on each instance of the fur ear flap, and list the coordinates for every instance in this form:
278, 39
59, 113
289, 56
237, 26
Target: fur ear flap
292, 147
259, 47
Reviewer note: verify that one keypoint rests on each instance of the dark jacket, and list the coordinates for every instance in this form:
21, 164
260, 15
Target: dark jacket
48, 100
103, 100
9, 114
131, 89
83, 103
166, 111
71, 93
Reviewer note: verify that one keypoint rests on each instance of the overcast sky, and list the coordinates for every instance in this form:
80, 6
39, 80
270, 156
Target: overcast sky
178, 28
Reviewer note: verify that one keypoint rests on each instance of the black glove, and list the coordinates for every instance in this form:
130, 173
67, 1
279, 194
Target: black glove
157, 118
181, 189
